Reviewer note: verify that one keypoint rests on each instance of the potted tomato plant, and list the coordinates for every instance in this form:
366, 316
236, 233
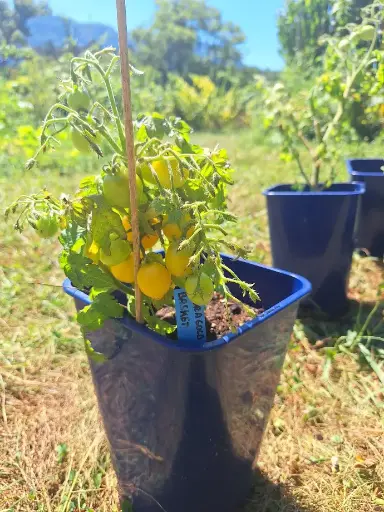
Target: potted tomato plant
370, 234
184, 415
312, 221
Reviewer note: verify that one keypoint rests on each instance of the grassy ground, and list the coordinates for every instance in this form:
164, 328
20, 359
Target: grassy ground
323, 451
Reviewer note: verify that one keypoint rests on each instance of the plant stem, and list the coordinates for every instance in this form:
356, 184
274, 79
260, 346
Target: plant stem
218, 228
109, 138
340, 110
111, 97
301, 168
316, 175
368, 320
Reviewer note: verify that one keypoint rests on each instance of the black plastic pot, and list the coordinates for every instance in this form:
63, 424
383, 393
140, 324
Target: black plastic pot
312, 233
370, 234
185, 424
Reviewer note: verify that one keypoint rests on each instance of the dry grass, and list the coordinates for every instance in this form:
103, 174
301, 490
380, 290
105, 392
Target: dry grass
323, 451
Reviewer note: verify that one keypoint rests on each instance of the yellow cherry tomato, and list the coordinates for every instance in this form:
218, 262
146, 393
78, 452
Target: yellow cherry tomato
154, 280
173, 231
177, 261
190, 231
124, 271
147, 241
161, 169
145, 173
92, 251
126, 223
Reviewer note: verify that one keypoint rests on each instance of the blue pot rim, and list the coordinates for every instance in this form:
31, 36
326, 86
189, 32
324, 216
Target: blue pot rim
348, 189
377, 174
305, 289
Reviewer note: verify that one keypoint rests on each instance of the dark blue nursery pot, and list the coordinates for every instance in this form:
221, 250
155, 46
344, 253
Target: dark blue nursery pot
185, 424
370, 233
312, 233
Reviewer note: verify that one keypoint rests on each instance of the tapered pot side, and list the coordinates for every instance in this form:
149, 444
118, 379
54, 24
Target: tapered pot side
370, 233
313, 233
185, 424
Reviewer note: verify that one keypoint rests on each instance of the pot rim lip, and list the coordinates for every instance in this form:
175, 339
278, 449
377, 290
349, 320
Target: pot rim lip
304, 290
354, 188
361, 174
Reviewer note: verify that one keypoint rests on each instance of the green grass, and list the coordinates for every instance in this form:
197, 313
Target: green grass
323, 448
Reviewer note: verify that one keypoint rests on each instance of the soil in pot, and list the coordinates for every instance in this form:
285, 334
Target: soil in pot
218, 323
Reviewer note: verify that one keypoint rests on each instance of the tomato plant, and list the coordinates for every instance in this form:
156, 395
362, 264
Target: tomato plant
182, 204
315, 124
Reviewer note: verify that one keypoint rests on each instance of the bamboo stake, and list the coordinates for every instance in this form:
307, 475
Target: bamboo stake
130, 147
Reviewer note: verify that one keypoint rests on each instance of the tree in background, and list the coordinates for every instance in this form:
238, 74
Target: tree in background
300, 25
303, 22
348, 11
188, 36
13, 22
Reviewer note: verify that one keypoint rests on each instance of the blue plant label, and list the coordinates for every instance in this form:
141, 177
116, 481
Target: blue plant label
190, 318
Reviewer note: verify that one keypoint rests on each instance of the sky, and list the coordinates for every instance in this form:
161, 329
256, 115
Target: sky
257, 18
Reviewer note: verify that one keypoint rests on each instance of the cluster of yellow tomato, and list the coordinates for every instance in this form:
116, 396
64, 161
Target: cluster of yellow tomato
155, 276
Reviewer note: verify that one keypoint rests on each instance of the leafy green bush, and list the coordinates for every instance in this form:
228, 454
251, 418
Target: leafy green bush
316, 120
208, 106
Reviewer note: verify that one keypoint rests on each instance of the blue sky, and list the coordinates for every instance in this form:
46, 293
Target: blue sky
257, 18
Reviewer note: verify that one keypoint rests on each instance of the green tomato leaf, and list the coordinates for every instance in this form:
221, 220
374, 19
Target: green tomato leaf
218, 202
97, 357
83, 274
196, 192
209, 267
88, 186
157, 324
98, 279
106, 222
71, 235
78, 214
126, 506
141, 134
180, 126
108, 305
103, 307
161, 205
154, 125
74, 266
184, 144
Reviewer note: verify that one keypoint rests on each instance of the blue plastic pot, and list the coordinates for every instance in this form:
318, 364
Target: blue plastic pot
185, 425
370, 234
312, 233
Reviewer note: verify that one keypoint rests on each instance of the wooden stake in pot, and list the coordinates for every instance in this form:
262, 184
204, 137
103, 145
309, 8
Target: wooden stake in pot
130, 147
